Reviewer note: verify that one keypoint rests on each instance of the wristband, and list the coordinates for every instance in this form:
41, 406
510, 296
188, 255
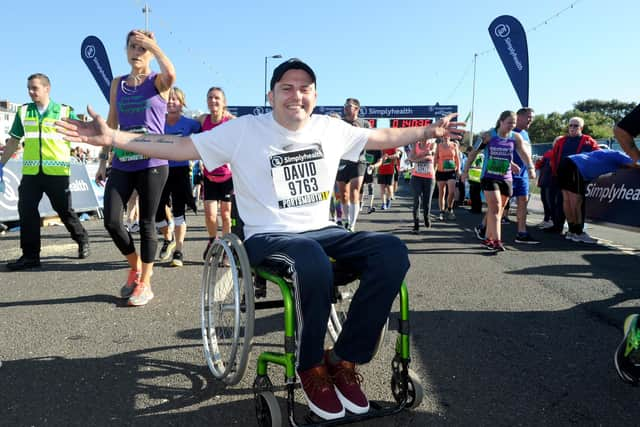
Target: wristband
103, 156
113, 138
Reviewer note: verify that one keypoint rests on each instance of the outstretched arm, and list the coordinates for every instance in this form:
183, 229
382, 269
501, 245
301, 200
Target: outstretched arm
627, 143
98, 133
382, 139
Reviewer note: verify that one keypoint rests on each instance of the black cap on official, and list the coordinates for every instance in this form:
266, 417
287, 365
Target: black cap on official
291, 64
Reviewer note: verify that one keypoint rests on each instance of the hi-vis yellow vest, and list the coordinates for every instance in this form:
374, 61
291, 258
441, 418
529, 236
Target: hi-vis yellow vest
475, 171
43, 146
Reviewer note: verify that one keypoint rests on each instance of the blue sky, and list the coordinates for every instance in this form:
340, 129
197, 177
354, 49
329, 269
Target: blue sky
412, 52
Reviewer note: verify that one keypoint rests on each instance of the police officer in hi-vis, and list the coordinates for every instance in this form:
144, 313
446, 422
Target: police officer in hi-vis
45, 169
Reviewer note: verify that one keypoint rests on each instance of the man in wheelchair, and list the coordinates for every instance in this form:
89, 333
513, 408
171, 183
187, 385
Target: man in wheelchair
284, 165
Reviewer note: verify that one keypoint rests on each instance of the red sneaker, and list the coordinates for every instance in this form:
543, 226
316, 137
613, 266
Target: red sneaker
347, 383
320, 393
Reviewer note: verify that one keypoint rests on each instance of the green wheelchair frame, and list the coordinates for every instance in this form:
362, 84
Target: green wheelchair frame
229, 290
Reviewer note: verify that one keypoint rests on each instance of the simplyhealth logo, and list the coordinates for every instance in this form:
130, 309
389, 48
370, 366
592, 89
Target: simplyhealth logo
502, 30
612, 193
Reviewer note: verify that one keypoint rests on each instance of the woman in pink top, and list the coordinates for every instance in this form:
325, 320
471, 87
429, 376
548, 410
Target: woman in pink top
447, 161
218, 185
422, 180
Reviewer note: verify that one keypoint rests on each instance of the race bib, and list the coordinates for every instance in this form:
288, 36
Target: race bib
498, 166
128, 156
300, 177
448, 165
423, 167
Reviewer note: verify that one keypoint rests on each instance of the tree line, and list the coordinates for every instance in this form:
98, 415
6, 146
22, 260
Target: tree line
599, 118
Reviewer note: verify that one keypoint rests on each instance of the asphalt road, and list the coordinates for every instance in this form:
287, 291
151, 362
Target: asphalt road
525, 337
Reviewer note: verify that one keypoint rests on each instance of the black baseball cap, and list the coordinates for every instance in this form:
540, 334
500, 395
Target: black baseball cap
290, 64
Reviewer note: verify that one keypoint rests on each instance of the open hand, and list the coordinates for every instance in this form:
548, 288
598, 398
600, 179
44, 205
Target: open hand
95, 132
445, 127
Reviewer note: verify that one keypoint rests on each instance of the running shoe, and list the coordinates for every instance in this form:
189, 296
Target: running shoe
584, 238
570, 236
526, 239
383, 207
441, 216
320, 394
389, 203
141, 295
176, 261
545, 224
627, 355
167, 247
488, 243
498, 246
132, 279
505, 221
135, 227
450, 215
479, 230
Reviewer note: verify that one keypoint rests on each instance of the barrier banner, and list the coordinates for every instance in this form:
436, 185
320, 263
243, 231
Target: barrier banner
83, 197
615, 198
510, 41
95, 57
366, 111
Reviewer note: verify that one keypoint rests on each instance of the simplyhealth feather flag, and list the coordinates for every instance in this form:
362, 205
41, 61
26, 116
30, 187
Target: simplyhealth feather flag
510, 41
95, 56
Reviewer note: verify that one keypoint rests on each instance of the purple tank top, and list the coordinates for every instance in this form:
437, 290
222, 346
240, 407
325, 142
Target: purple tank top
140, 109
497, 157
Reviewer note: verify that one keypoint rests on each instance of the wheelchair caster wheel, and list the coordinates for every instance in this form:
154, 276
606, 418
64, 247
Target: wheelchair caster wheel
267, 410
227, 313
414, 390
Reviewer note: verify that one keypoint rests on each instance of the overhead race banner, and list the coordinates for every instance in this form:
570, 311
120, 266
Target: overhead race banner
615, 198
95, 57
510, 41
366, 111
83, 197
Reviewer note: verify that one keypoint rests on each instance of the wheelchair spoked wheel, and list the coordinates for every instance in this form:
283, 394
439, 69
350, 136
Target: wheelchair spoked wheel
227, 312
339, 310
412, 387
267, 410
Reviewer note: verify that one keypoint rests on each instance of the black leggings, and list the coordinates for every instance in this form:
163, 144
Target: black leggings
422, 188
120, 185
176, 191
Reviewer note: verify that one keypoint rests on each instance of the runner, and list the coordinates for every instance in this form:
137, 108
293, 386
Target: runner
447, 163
374, 160
498, 146
218, 184
177, 190
351, 174
524, 118
422, 180
385, 176
138, 103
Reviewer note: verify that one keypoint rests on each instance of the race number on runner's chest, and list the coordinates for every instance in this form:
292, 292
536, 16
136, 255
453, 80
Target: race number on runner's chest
300, 177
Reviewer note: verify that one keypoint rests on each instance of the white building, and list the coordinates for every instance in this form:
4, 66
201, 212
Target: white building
7, 114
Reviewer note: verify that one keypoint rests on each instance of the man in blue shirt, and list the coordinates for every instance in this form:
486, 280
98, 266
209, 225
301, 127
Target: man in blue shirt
524, 118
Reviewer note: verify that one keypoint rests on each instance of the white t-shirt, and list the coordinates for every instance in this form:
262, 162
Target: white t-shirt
282, 179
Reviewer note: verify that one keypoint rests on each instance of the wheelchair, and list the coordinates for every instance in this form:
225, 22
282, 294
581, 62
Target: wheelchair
232, 291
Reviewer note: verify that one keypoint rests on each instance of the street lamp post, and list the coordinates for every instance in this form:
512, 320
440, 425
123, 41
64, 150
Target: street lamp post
265, 75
